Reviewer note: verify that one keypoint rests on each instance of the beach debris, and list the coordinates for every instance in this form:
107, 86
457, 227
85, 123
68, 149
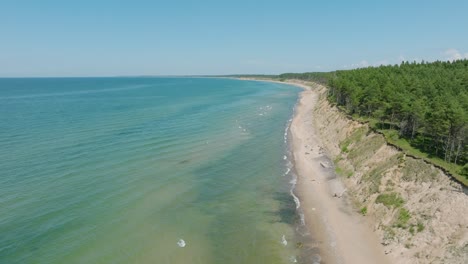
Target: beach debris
323, 165
181, 243
307, 153
293, 259
284, 241
313, 208
320, 150
340, 194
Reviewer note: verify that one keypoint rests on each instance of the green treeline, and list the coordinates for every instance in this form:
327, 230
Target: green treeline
318, 77
427, 103
423, 104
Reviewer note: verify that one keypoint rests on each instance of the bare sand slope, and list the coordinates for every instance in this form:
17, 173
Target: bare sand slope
341, 233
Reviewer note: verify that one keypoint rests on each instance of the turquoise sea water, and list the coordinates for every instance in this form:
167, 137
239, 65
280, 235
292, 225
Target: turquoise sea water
119, 170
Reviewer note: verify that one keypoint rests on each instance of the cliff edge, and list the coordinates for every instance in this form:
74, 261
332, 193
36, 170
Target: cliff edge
419, 214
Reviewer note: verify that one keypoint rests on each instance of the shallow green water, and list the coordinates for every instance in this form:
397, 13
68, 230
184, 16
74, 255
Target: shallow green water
118, 170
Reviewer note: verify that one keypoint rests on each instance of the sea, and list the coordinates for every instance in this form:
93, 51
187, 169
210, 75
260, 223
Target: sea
147, 170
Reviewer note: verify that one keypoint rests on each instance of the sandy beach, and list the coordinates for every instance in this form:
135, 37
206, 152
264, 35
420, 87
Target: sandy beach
339, 231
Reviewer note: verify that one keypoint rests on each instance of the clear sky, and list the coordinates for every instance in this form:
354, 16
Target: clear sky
108, 38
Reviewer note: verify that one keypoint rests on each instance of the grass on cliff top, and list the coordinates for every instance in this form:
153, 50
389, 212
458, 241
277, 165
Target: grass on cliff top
392, 137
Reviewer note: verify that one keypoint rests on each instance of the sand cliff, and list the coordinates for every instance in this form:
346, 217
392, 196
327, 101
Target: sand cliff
416, 213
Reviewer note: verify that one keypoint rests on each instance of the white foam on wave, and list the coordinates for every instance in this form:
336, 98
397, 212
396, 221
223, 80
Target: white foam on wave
302, 217
284, 157
296, 199
284, 241
293, 259
243, 129
181, 243
293, 181
285, 135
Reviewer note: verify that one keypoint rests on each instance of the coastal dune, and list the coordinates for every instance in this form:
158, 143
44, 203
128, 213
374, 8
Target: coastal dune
339, 232
429, 223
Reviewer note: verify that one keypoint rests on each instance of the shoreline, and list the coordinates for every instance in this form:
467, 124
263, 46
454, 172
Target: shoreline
343, 235
337, 230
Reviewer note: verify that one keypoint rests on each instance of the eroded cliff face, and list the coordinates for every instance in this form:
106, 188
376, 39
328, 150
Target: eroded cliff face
418, 212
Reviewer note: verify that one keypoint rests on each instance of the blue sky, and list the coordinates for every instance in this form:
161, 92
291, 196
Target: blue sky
108, 38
